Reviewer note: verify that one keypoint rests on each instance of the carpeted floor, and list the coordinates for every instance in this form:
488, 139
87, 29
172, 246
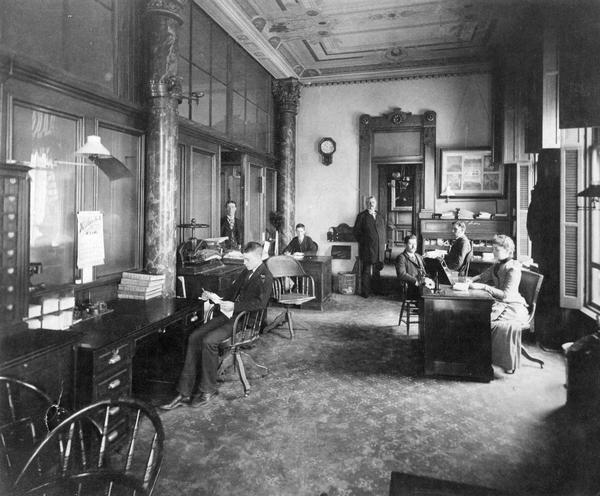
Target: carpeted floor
344, 406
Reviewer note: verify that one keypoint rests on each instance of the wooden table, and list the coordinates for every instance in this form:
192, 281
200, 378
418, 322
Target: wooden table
454, 327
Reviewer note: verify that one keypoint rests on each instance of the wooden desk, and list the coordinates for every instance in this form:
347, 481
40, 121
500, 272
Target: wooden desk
217, 280
111, 351
454, 328
319, 267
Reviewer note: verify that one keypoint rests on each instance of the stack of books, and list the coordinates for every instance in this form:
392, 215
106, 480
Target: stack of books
140, 286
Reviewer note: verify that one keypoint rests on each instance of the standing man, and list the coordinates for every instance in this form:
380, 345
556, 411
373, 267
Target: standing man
370, 231
458, 257
250, 291
231, 226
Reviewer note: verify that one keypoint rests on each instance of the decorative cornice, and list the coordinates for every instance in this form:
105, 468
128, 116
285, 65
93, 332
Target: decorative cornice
287, 94
169, 8
398, 75
229, 15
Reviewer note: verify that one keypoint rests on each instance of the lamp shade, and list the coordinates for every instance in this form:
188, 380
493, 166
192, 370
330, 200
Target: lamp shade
93, 146
592, 191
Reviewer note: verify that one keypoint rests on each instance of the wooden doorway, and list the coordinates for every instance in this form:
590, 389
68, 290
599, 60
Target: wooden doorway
399, 199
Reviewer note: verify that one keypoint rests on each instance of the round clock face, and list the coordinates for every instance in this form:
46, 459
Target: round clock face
327, 146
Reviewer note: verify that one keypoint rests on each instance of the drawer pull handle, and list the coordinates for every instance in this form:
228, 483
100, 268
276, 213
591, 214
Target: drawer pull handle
114, 384
115, 358
112, 436
194, 318
162, 330
114, 410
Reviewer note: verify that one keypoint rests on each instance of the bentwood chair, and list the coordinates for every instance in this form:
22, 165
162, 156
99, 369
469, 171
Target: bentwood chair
291, 287
25, 413
246, 331
124, 435
529, 287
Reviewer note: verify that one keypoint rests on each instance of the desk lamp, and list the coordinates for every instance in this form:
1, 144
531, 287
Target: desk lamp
97, 153
592, 192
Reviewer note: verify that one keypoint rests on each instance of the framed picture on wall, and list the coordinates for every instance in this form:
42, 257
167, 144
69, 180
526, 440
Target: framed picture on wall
470, 173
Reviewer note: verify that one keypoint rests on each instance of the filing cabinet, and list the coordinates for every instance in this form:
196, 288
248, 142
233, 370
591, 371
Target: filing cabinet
14, 234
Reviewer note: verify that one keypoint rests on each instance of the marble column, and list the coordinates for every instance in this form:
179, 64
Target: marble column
287, 96
163, 20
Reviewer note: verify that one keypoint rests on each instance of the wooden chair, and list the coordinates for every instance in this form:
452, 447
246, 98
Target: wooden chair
529, 287
291, 287
409, 311
24, 421
246, 330
124, 435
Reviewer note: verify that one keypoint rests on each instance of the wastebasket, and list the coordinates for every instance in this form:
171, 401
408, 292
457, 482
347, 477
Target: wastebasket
346, 282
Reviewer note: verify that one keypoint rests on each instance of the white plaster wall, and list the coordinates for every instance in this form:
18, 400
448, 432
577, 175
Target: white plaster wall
328, 195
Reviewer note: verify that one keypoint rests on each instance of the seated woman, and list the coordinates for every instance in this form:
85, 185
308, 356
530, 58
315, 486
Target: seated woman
301, 243
509, 311
410, 267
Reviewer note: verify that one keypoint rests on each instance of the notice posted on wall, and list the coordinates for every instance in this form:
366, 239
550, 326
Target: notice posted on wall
90, 239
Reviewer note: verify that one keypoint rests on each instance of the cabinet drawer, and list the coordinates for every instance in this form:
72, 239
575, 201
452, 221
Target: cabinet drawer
112, 359
115, 386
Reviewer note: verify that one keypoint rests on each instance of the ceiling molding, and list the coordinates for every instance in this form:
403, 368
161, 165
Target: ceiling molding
235, 22
399, 74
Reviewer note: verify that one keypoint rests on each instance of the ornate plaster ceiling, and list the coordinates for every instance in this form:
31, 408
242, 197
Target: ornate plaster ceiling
333, 40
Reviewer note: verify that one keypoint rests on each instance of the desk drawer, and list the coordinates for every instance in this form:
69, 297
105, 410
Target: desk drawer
113, 359
115, 386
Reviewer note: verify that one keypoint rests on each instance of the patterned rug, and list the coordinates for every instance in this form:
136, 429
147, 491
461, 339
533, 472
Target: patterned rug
344, 405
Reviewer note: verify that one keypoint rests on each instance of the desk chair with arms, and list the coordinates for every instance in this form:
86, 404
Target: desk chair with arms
246, 330
291, 287
124, 435
529, 287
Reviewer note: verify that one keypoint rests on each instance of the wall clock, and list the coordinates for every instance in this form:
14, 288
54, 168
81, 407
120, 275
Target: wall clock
326, 149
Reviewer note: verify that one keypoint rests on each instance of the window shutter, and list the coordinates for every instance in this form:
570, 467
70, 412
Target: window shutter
570, 232
524, 181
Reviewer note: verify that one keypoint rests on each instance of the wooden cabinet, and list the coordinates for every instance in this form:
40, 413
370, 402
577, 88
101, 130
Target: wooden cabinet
319, 267
14, 237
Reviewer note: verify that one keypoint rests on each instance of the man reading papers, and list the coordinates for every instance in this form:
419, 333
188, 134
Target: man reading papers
250, 291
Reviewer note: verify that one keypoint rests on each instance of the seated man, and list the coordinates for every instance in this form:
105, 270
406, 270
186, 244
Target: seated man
231, 227
250, 291
410, 267
458, 256
301, 243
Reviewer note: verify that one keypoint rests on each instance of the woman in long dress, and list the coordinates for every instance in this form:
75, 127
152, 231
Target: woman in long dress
509, 311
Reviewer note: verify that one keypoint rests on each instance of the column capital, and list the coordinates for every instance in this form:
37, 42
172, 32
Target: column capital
287, 94
169, 8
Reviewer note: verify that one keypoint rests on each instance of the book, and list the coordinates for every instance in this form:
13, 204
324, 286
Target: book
127, 296
143, 276
141, 283
137, 289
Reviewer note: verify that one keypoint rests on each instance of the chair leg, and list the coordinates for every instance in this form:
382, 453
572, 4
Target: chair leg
408, 318
526, 354
226, 363
401, 312
242, 373
253, 362
288, 315
279, 320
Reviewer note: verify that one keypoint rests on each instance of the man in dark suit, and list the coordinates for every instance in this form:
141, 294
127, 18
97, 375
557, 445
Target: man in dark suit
250, 291
370, 231
301, 243
410, 267
458, 257
231, 226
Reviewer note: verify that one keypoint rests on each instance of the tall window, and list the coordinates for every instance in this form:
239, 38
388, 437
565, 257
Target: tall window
593, 228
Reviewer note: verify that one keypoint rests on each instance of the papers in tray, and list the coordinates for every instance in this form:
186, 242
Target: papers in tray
460, 286
434, 253
484, 215
235, 254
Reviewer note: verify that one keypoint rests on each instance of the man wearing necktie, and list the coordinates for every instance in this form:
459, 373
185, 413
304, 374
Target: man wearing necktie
250, 291
370, 232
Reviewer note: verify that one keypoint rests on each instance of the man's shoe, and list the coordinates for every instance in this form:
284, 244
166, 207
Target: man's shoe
180, 400
203, 399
